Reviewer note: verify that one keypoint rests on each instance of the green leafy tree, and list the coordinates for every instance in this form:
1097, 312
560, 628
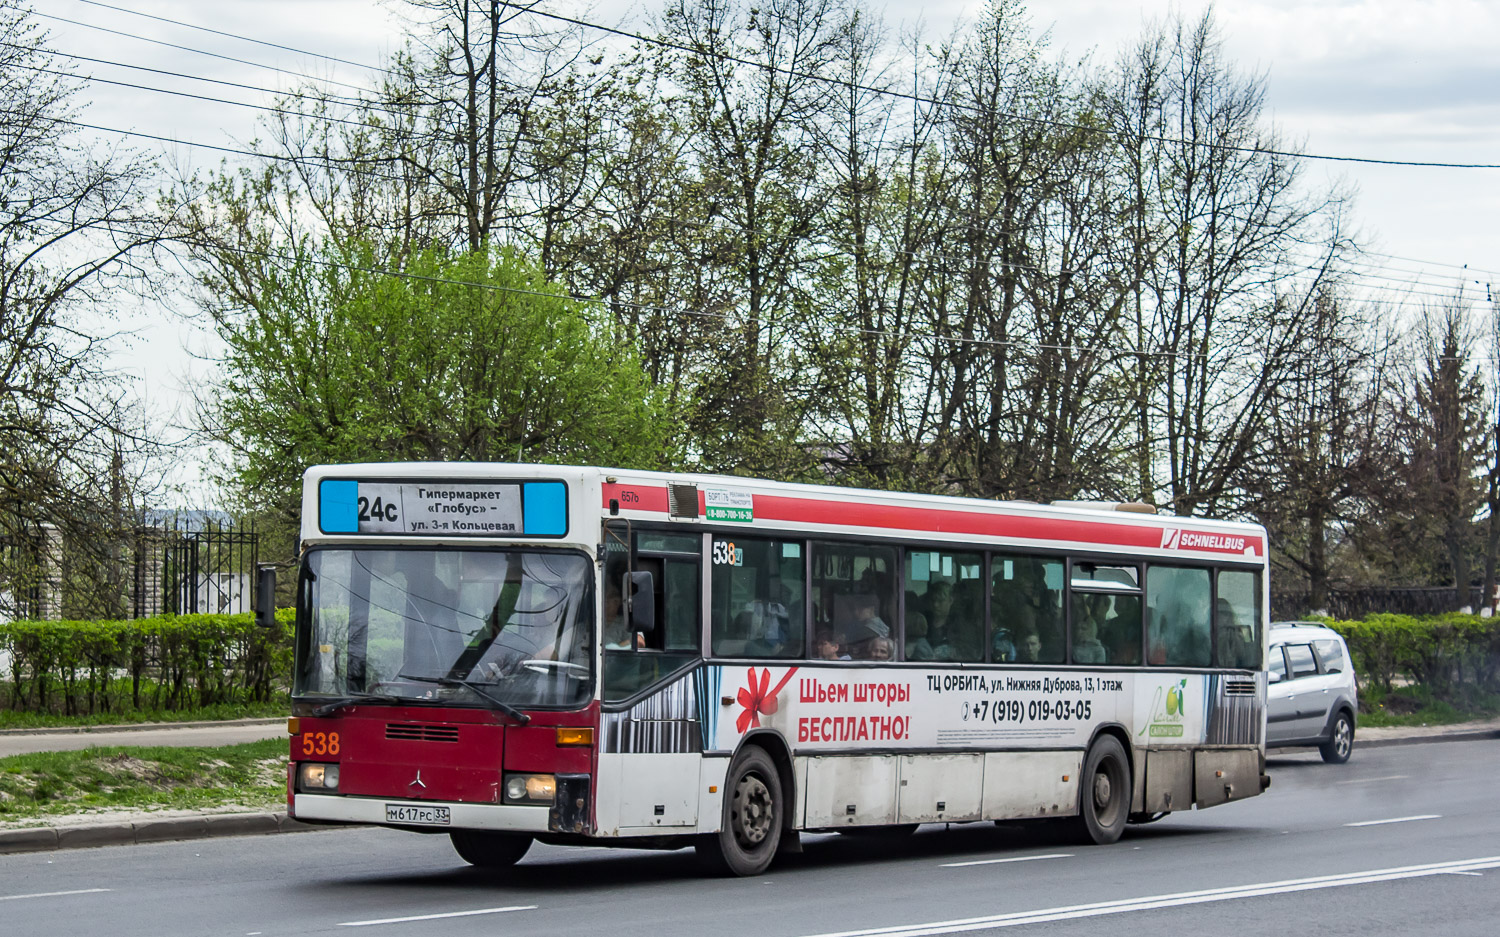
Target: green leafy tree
469, 357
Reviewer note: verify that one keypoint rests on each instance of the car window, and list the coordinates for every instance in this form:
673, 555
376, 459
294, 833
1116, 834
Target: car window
1331, 653
1300, 658
1277, 664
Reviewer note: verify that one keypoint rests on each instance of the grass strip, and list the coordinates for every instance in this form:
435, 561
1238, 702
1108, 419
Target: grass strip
1418, 706
50, 784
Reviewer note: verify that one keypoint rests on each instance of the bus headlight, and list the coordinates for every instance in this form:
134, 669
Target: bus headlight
530, 789
311, 777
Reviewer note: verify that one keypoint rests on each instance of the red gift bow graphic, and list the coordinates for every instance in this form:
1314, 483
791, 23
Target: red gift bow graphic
757, 700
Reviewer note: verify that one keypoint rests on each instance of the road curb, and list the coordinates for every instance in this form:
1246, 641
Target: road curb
1476, 735
143, 727
146, 830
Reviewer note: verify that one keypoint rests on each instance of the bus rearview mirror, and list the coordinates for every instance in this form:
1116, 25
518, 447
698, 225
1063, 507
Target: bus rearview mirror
265, 595
642, 602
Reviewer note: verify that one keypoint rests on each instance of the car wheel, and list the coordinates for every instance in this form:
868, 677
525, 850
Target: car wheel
751, 827
1340, 744
1104, 793
489, 850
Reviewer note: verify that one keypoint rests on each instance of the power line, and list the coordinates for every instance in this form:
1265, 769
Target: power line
844, 83
196, 51
228, 35
208, 98
923, 99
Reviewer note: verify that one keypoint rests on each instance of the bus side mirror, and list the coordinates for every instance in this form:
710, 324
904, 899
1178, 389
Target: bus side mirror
265, 595
642, 602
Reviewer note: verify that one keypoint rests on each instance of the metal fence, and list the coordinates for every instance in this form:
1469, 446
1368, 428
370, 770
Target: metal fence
1357, 603
180, 562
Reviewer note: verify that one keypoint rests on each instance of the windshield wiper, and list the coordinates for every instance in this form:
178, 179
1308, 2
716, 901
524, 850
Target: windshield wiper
499, 704
340, 703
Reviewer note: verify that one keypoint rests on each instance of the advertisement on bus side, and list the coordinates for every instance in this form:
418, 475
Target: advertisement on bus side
827, 709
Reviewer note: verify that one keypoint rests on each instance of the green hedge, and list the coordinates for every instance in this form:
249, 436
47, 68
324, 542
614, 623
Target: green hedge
166, 663
1451, 655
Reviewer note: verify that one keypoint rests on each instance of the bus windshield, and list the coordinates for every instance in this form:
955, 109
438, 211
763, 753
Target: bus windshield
457, 627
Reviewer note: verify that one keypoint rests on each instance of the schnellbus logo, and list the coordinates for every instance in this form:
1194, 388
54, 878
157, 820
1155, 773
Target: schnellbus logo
1168, 708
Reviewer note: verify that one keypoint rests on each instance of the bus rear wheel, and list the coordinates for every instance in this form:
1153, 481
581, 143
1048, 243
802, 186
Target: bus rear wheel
1104, 793
489, 850
750, 829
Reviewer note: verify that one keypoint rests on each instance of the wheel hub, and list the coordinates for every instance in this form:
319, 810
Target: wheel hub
753, 814
1102, 790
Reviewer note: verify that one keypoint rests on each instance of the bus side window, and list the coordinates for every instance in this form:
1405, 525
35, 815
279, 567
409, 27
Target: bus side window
854, 597
1237, 620
1178, 601
1026, 610
944, 606
756, 603
1105, 618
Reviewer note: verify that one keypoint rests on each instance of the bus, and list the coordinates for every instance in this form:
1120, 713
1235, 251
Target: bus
510, 653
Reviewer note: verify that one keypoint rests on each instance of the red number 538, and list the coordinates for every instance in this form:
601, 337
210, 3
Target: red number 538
320, 743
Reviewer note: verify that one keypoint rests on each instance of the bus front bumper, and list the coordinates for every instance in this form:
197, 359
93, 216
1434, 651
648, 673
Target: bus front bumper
331, 808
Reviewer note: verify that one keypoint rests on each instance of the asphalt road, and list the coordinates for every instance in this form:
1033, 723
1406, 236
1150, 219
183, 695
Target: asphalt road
1403, 840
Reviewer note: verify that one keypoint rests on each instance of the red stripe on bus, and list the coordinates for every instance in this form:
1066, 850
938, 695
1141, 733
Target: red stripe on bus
941, 520
637, 498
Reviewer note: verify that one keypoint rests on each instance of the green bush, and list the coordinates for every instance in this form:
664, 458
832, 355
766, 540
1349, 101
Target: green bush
1454, 657
166, 663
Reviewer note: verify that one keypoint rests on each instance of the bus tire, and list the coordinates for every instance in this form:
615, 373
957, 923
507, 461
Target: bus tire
489, 850
1103, 793
751, 826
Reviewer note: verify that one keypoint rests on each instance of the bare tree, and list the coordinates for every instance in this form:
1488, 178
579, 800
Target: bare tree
72, 229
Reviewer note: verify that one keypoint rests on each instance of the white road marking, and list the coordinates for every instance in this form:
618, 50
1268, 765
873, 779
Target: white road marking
434, 917
54, 894
1389, 777
1154, 902
1055, 855
1425, 816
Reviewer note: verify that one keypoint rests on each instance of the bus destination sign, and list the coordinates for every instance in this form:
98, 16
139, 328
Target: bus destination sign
443, 507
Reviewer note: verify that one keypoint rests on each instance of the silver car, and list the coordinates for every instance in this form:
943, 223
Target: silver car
1312, 698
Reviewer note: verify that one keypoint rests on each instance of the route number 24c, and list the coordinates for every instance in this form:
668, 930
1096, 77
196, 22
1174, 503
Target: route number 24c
377, 510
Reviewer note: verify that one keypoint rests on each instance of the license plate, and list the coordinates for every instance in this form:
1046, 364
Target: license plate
419, 814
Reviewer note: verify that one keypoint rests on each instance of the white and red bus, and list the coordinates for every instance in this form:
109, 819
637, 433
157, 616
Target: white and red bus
510, 653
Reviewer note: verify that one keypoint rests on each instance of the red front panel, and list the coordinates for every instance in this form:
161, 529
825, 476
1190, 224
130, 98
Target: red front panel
427, 753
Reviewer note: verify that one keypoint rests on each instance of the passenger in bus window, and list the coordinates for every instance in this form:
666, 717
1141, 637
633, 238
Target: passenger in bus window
1087, 649
1236, 641
1119, 621
882, 649
827, 646
868, 628
1003, 645
939, 609
953, 630
1029, 648
917, 647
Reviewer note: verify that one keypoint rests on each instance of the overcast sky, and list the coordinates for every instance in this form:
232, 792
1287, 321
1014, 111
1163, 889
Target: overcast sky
1414, 80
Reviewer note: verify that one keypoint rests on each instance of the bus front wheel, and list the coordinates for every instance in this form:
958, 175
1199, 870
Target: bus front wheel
751, 826
489, 850
1104, 793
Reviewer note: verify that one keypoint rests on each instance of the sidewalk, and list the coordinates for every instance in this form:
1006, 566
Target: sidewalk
145, 734
125, 827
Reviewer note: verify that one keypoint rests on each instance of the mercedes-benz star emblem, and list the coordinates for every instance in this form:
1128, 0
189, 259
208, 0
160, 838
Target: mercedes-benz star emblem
418, 781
